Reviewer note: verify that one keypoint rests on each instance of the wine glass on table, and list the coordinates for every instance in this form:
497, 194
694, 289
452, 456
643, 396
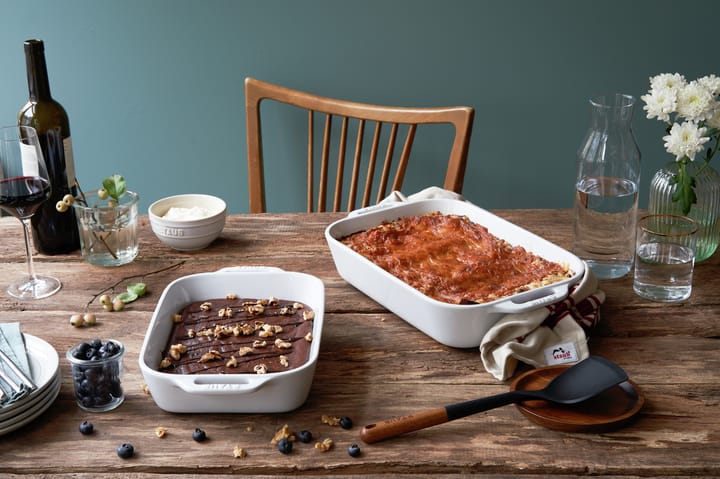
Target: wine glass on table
24, 185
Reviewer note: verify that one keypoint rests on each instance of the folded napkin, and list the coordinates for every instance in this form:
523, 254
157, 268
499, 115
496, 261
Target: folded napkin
553, 334
429, 193
12, 343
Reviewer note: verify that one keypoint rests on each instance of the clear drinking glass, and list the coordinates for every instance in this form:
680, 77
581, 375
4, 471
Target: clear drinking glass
108, 231
24, 186
665, 257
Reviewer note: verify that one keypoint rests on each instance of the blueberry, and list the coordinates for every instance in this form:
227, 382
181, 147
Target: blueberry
354, 450
95, 343
285, 446
305, 436
199, 435
90, 352
125, 450
86, 427
80, 349
346, 423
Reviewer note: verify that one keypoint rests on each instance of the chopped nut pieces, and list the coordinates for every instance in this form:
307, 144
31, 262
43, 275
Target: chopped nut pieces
330, 420
259, 344
325, 445
282, 344
244, 351
160, 431
231, 296
260, 369
206, 306
211, 356
308, 315
239, 452
284, 361
283, 433
177, 318
309, 337
232, 362
177, 350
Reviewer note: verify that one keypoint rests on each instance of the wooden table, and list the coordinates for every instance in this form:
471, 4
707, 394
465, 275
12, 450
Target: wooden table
372, 366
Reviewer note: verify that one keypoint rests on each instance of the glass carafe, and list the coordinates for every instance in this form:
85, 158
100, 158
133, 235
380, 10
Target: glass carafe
606, 190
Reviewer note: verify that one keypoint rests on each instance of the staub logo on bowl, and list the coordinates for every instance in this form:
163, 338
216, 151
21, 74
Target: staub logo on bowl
173, 232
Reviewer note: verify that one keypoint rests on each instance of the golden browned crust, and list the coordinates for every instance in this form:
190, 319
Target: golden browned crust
452, 259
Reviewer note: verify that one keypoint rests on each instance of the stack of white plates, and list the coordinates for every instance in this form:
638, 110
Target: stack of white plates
45, 368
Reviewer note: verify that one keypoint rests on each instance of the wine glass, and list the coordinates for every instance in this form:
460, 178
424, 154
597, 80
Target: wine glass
24, 185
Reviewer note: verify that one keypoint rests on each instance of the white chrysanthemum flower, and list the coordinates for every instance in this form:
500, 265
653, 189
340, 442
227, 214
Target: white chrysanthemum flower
695, 102
660, 103
685, 139
712, 83
674, 81
714, 121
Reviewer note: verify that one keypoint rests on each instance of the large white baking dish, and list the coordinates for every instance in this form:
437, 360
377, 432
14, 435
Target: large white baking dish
460, 326
231, 393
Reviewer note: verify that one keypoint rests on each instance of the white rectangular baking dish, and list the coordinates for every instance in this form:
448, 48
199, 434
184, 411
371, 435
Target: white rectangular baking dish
460, 326
231, 393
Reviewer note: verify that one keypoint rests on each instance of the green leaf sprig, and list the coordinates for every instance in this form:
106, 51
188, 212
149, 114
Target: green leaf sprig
114, 186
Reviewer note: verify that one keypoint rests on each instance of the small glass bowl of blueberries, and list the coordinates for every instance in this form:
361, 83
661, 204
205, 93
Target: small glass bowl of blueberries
96, 371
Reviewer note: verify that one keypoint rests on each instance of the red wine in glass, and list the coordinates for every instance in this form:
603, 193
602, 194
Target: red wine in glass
24, 186
22, 195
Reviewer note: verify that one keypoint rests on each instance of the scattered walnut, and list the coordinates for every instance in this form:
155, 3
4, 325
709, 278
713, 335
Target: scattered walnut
298, 305
308, 315
177, 318
165, 363
256, 309
244, 351
206, 306
309, 337
232, 362
260, 369
273, 300
283, 433
191, 333
145, 389
160, 431
266, 333
177, 350
250, 428
330, 420
231, 296
245, 329
239, 452
284, 361
225, 312
325, 445
287, 311
210, 356
259, 344
281, 344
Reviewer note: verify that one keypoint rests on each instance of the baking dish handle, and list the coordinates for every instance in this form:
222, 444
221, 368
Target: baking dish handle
250, 269
555, 294
209, 386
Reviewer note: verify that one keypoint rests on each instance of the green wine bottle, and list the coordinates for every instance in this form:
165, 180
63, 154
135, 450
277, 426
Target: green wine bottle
53, 232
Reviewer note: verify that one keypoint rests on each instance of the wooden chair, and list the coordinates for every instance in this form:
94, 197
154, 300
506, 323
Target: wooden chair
256, 91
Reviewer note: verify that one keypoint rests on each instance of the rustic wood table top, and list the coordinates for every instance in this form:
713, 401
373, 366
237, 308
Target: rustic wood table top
372, 366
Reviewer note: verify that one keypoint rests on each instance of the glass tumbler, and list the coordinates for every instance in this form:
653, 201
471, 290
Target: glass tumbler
97, 379
665, 257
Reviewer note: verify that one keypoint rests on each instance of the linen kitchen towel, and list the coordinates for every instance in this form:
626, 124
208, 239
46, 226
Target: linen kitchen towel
553, 334
12, 344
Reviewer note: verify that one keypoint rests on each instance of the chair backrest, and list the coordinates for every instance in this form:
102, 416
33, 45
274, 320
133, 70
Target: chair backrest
461, 118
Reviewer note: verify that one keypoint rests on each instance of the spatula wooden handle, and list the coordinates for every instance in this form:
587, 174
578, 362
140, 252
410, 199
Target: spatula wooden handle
403, 424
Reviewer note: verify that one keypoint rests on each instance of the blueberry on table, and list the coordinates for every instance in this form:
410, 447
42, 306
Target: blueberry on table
199, 435
285, 446
305, 436
346, 423
125, 450
86, 427
354, 450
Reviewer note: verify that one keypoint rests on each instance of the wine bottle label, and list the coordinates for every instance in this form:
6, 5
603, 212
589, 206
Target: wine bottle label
29, 160
69, 161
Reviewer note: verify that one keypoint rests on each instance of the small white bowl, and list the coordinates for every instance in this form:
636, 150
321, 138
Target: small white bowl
188, 234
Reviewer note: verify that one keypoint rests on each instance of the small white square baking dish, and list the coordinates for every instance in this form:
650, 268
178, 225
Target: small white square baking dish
231, 393
456, 325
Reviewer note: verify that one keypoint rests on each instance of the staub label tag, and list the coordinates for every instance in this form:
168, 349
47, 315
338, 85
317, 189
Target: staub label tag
561, 354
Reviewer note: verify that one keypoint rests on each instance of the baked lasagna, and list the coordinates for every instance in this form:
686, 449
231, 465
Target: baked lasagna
452, 259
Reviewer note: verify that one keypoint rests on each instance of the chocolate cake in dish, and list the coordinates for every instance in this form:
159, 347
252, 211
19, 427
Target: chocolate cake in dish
239, 336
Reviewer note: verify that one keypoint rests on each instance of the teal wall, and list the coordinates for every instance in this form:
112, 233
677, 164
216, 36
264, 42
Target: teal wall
154, 87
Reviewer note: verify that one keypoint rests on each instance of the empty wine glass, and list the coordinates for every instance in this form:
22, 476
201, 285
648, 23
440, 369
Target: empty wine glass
24, 185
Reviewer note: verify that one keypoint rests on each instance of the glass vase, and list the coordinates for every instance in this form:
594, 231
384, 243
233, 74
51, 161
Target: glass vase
705, 211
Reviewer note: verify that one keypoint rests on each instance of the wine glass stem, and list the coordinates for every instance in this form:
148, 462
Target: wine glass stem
28, 252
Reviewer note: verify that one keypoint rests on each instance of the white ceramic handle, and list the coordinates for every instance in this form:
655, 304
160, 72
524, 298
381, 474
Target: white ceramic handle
558, 293
220, 388
371, 208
